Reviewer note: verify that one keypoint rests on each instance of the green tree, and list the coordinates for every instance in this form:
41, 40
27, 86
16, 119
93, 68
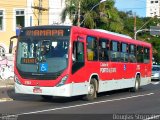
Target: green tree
94, 14
71, 10
111, 20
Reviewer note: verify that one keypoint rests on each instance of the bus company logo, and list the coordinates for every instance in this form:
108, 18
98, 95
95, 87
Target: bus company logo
104, 64
108, 70
105, 69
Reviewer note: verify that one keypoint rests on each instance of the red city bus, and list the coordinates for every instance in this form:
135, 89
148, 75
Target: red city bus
69, 61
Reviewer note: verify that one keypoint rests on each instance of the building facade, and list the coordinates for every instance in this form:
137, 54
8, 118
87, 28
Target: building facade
152, 8
15, 14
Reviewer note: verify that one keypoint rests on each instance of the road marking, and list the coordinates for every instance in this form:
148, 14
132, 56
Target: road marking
5, 99
80, 105
155, 83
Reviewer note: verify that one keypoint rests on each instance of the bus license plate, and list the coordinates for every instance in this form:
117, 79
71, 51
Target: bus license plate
37, 90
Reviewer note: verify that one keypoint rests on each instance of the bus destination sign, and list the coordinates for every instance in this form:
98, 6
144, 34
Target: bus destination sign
28, 60
47, 32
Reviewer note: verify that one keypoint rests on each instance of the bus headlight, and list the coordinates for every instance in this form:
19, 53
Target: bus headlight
17, 80
63, 80
156, 74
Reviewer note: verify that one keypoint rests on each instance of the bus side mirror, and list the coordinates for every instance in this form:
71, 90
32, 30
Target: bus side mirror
10, 46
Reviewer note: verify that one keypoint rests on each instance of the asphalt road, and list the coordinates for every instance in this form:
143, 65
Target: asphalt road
120, 104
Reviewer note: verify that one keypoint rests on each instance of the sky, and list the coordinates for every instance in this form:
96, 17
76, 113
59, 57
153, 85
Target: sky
137, 6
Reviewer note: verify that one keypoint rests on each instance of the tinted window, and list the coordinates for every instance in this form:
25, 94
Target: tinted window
103, 49
140, 54
132, 53
146, 55
92, 53
114, 53
124, 52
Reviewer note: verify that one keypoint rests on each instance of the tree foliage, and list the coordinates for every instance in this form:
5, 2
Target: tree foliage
105, 16
94, 14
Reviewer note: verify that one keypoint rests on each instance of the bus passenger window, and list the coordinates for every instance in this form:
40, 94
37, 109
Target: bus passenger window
103, 50
140, 54
92, 53
146, 55
132, 53
78, 52
114, 53
124, 52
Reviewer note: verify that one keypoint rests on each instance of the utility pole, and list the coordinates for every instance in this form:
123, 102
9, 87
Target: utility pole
40, 10
135, 28
40, 13
79, 13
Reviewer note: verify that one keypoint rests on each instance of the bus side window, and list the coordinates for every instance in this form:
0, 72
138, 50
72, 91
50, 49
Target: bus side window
103, 50
124, 52
78, 52
92, 53
77, 56
146, 55
140, 54
132, 53
114, 53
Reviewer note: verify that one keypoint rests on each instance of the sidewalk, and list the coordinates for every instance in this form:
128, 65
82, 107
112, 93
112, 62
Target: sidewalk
6, 83
6, 88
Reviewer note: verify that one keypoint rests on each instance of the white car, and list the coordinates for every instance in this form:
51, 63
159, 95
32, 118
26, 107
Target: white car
155, 72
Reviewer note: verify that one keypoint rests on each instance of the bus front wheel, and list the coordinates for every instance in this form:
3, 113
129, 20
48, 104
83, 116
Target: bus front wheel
92, 93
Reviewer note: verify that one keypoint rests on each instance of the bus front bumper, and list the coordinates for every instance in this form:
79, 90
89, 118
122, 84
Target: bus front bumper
64, 90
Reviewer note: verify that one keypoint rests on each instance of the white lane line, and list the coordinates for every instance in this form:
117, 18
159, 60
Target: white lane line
80, 105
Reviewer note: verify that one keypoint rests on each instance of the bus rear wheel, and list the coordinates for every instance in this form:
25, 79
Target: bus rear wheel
137, 84
92, 93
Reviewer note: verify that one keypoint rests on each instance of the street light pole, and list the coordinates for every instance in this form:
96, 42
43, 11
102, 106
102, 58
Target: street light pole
135, 34
92, 9
140, 29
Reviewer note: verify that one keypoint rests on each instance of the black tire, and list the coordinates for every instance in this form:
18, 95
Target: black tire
47, 97
92, 93
137, 84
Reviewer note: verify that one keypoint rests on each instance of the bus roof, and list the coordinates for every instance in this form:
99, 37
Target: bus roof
47, 27
113, 33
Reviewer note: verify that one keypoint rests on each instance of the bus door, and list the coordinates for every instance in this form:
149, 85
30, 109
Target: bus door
11, 45
78, 61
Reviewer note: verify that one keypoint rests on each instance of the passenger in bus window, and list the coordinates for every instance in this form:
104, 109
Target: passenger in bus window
59, 51
90, 54
132, 58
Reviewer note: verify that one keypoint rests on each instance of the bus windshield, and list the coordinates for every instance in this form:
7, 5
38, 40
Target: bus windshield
42, 55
